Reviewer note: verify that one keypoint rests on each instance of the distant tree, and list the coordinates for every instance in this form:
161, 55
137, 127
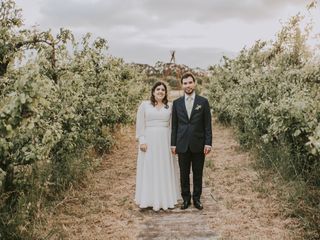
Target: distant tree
14, 40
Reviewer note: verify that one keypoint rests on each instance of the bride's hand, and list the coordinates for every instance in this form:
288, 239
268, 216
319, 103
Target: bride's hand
143, 147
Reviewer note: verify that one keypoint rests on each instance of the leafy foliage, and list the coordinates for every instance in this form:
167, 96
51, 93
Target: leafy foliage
271, 94
55, 110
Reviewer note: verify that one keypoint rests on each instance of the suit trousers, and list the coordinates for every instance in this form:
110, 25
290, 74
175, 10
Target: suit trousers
186, 161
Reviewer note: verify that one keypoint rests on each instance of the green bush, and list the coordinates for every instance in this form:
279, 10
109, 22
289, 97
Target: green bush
271, 94
50, 125
173, 83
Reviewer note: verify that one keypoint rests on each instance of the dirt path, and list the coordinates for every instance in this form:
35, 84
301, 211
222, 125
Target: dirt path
180, 224
247, 206
236, 203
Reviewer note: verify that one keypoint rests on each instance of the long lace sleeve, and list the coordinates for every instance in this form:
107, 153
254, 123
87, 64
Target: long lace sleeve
140, 124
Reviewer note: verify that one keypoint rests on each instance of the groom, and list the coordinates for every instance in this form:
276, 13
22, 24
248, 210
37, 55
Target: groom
191, 138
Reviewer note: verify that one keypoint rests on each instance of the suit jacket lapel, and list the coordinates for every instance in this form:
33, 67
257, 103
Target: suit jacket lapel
183, 103
194, 105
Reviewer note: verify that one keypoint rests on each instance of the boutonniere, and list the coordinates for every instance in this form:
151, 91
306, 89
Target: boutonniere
198, 107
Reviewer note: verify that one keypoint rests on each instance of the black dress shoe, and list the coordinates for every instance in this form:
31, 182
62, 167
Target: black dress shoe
197, 204
185, 204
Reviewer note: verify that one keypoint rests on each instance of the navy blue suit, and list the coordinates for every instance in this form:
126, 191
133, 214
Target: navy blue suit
189, 136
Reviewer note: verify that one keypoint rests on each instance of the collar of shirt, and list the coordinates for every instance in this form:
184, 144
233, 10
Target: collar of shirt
193, 95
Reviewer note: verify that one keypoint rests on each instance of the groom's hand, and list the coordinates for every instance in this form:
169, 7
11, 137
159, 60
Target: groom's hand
207, 149
173, 150
143, 147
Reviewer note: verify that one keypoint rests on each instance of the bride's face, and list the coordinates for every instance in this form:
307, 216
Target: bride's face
159, 93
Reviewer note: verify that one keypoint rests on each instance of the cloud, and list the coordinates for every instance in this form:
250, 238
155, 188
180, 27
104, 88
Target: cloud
146, 30
147, 14
165, 22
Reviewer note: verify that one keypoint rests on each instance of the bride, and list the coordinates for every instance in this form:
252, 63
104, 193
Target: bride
157, 183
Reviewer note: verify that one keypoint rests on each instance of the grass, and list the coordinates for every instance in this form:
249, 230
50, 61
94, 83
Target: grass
300, 199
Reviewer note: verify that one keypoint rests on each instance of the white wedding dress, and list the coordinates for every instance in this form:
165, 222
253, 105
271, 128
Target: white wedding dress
157, 183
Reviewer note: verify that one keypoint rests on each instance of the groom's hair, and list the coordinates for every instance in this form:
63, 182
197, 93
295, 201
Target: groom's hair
186, 75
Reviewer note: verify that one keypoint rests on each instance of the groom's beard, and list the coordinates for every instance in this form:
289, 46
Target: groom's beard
188, 93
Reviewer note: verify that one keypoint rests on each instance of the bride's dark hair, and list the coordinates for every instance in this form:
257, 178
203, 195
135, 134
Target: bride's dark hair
165, 99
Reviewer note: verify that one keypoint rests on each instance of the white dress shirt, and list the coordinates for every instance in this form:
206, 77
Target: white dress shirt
193, 95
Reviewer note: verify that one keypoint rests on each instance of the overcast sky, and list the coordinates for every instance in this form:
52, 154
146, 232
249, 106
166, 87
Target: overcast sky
144, 31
